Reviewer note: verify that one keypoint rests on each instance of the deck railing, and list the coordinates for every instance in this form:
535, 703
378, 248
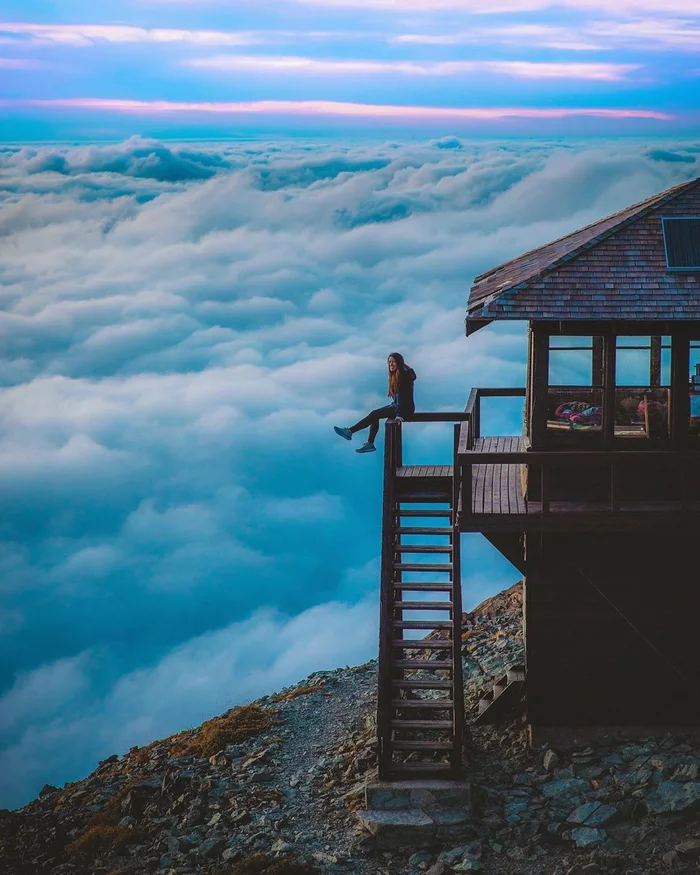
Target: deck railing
681, 466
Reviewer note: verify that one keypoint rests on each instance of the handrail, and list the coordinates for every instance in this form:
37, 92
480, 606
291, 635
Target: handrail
439, 416
680, 463
472, 433
566, 457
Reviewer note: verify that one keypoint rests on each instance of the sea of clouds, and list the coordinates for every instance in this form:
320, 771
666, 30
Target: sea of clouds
181, 326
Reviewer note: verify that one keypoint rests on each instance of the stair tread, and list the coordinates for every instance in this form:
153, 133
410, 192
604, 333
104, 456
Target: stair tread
421, 768
421, 644
422, 684
425, 513
424, 587
422, 548
421, 724
424, 664
424, 530
422, 745
422, 624
436, 704
423, 606
423, 566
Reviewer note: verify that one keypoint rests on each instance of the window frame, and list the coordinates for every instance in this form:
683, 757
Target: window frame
683, 268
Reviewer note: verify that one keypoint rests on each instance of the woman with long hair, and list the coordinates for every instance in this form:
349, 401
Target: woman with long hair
401, 379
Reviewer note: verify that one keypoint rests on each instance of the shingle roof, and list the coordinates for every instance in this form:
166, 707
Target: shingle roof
614, 268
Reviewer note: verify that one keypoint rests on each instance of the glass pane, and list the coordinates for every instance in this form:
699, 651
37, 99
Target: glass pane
665, 366
643, 361
570, 361
695, 387
633, 365
642, 414
580, 410
570, 341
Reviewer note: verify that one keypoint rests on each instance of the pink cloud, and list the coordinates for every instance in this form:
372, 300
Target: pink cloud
328, 107
315, 66
649, 33
631, 8
90, 34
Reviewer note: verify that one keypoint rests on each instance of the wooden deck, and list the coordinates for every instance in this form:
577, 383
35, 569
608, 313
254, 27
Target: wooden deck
498, 503
497, 489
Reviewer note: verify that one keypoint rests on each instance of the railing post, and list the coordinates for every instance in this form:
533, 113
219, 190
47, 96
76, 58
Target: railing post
457, 680
386, 605
544, 487
683, 472
614, 497
477, 416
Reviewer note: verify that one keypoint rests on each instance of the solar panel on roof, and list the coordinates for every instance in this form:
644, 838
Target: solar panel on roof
682, 241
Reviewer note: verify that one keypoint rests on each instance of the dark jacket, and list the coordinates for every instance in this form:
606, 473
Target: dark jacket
403, 400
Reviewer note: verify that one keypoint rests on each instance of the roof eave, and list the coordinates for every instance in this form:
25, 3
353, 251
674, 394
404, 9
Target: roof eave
473, 324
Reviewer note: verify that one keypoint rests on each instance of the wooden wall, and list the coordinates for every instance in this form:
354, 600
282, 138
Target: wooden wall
586, 665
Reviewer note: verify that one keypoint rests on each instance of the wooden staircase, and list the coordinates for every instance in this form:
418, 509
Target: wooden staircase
420, 713
504, 697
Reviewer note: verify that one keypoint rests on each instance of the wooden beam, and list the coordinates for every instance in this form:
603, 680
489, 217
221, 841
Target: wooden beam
655, 361
680, 394
540, 386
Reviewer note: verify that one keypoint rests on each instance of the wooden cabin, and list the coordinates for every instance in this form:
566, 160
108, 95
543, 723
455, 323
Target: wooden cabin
597, 502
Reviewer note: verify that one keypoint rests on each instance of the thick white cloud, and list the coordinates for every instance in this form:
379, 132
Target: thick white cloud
182, 326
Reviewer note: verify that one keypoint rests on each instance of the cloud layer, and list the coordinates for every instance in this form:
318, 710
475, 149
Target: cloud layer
184, 324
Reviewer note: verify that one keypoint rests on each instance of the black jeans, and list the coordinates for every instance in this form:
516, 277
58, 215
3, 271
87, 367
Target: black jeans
372, 420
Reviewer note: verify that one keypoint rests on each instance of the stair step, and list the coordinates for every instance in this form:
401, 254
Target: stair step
421, 548
402, 566
424, 587
421, 530
422, 745
421, 644
515, 673
422, 624
426, 513
421, 724
424, 664
437, 495
423, 606
422, 684
497, 689
435, 704
421, 768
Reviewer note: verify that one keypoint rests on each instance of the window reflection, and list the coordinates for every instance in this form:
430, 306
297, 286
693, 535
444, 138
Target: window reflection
575, 392
642, 387
695, 388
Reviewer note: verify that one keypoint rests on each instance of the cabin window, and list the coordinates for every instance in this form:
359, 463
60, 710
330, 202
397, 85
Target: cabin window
642, 387
682, 242
575, 385
695, 388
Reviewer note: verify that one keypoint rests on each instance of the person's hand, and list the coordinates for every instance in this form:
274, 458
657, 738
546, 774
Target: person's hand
399, 419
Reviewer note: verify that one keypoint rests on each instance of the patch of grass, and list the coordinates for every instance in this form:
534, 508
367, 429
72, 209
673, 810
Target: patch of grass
297, 691
261, 864
103, 837
236, 726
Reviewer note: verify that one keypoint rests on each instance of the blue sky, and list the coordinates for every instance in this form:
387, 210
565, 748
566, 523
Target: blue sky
183, 320
575, 67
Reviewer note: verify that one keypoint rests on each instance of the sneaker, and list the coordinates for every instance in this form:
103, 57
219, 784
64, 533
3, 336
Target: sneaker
343, 432
366, 448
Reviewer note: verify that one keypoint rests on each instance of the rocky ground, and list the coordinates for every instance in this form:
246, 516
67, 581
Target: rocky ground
270, 789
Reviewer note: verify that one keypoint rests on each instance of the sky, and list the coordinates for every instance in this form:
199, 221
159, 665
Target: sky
214, 227
76, 69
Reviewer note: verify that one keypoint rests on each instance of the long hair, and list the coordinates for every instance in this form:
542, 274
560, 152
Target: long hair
396, 375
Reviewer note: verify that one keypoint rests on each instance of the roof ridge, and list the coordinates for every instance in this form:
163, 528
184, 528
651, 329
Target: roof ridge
632, 212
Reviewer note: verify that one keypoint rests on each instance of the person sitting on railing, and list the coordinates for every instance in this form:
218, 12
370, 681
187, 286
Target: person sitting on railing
401, 379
